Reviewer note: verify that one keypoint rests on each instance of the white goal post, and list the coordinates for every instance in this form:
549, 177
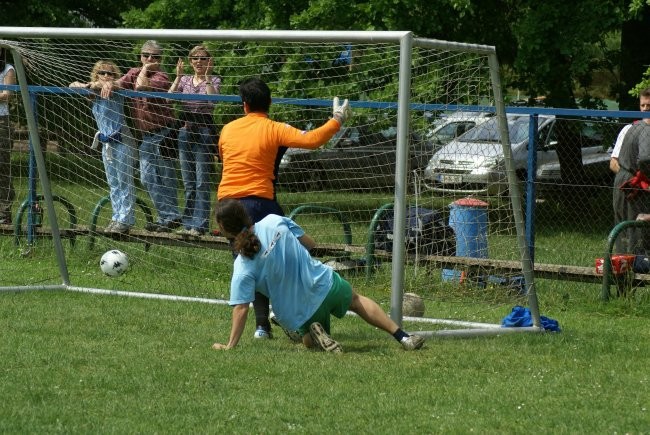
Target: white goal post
397, 84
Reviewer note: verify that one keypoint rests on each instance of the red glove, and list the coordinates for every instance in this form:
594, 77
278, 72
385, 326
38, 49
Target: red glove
635, 184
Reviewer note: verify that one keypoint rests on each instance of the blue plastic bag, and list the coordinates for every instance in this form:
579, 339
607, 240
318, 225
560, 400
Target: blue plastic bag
520, 316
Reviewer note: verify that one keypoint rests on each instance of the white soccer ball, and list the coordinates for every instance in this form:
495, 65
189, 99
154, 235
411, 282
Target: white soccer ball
114, 263
412, 305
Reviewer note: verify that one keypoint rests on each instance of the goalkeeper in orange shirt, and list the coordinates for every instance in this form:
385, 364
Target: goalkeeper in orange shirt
250, 149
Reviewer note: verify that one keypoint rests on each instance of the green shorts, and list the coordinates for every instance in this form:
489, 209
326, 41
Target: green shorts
336, 302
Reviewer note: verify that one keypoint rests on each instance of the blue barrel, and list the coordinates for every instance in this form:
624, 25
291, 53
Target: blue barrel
469, 219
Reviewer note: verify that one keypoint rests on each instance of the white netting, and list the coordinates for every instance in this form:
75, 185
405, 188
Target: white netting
347, 186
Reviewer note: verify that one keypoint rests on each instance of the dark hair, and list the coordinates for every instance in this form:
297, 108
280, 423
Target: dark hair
232, 216
256, 94
645, 93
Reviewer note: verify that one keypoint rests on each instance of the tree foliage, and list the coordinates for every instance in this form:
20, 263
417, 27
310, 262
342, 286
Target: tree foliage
65, 13
546, 48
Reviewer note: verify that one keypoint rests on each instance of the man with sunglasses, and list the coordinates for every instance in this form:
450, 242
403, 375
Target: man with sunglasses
153, 118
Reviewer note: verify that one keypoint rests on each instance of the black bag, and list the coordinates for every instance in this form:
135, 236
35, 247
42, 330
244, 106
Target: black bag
641, 264
426, 233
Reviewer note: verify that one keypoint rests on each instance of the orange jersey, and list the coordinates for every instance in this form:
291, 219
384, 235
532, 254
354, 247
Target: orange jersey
249, 147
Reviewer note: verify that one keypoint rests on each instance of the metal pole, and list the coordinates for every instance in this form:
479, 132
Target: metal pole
401, 167
530, 184
40, 162
515, 193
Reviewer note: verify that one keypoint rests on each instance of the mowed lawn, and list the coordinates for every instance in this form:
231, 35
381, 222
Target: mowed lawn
82, 363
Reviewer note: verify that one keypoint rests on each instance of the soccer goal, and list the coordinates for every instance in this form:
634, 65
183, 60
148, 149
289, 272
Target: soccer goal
464, 255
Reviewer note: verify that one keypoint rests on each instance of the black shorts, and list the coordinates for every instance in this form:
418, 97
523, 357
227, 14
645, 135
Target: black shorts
258, 208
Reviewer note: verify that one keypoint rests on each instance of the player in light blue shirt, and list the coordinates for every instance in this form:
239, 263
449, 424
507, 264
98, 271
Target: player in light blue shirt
274, 260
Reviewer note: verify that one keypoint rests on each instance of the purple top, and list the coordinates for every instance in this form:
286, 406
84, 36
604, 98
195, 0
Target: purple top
186, 86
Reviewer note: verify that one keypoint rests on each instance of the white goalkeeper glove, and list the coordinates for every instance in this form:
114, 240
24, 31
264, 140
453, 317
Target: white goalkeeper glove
341, 112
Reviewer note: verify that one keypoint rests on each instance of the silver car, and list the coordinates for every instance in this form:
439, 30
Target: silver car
473, 163
448, 127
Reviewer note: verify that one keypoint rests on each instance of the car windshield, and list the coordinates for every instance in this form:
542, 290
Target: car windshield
489, 131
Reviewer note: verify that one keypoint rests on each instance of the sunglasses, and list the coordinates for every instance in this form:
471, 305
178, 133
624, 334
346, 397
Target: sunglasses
146, 54
105, 73
200, 58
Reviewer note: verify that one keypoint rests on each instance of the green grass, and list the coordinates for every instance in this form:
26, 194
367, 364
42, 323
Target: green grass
83, 363
78, 363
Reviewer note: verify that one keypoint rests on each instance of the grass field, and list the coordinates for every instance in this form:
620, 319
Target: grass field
84, 363
79, 363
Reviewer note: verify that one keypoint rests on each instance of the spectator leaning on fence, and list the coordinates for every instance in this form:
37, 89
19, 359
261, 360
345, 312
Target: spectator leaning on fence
196, 139
251, 148
7, 192
153, 118
118, 145
624, 163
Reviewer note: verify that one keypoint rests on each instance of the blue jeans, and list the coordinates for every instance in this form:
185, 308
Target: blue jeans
197, 164
7, 192
119, 161
158, 176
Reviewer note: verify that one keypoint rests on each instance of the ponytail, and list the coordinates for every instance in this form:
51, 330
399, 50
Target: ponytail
247, 243
232, 216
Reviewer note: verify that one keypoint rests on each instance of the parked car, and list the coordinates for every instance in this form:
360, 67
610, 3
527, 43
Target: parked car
354, 158
474, 163
595, 163
448, 127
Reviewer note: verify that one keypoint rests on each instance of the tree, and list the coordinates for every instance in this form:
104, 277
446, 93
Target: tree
65, 13
546, 52
635, 58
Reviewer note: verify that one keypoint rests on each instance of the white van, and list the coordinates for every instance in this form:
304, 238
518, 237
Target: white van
473, 163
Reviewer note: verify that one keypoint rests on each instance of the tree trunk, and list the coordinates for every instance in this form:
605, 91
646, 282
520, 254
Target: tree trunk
635, 57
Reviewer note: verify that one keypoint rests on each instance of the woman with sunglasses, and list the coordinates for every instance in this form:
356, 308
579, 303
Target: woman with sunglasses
118, 144
196, 139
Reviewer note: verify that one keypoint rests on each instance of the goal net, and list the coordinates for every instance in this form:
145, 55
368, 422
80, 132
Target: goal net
373, 184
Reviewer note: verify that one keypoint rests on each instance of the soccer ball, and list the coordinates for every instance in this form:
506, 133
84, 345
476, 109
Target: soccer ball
114, 263
412, 305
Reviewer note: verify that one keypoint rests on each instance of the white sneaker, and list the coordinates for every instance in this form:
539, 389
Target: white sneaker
322, 340
182, 231
262, 334
194, 232
413, 342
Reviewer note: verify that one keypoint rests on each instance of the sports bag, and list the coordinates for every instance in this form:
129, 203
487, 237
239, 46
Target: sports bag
426, 232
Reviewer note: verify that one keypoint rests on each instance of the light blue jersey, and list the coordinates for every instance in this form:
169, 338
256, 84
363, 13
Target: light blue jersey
284, 271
